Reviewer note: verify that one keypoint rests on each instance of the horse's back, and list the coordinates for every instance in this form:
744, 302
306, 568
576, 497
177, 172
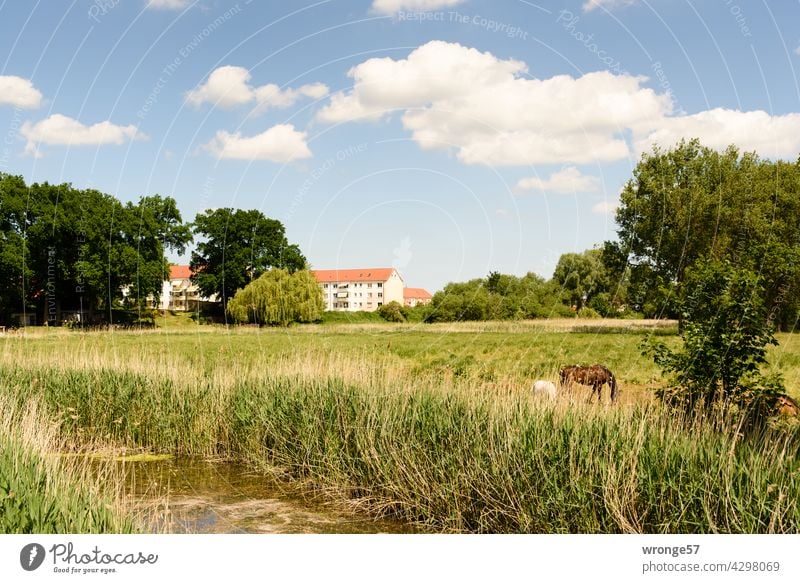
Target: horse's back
544, 389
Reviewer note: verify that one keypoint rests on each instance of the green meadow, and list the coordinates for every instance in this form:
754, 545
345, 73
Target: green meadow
432, 424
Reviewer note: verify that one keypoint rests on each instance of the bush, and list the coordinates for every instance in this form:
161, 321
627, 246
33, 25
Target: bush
393, 312
588, 312
725, 332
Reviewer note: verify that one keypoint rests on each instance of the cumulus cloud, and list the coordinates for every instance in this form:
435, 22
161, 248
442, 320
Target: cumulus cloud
486, 110
772, 136
567, 179
280, 143
590, 5
458, 97
392, 6
60, 130
229, 87
168, 4
19, 92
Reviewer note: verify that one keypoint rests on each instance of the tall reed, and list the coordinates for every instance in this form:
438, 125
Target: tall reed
44, 492
455, 453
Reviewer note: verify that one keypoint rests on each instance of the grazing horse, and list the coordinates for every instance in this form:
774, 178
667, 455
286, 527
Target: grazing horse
595, 376
786, 406
544, 389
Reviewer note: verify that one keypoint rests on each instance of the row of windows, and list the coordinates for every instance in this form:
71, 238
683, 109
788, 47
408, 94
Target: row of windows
355, 304
344, 285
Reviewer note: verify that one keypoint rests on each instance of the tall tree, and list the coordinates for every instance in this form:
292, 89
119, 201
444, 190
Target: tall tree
61, 247
237, 247
278, 298
582, 276
693, 203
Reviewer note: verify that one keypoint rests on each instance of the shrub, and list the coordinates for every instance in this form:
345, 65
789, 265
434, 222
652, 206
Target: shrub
588, 312
393, 312
725, 331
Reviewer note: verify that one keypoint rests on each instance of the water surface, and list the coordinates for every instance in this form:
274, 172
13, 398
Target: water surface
199, 496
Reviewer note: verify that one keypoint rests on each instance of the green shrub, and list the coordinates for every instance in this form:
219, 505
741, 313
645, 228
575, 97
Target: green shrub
393, 312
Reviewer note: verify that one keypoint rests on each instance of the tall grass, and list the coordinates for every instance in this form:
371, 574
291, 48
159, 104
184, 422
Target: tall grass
454, 452
43, 492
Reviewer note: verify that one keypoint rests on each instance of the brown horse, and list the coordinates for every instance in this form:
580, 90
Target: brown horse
786, 406
595, 376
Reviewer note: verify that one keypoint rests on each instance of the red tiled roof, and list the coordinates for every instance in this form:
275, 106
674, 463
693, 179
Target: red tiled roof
179, 272
334, 275
416, 293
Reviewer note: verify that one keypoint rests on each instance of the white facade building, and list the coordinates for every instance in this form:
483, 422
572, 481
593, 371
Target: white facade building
178, 293
359, 290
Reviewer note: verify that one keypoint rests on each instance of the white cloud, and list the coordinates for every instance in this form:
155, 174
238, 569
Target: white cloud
567, 179
457, 98
19, 92
280, 143
60, 130
229, 86
605, 208
226, 87
168, 4
797, 51
770, 136
392, 6
590, 5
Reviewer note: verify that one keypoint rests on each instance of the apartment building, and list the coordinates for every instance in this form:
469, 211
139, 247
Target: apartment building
179, 293
357, 290
416, 296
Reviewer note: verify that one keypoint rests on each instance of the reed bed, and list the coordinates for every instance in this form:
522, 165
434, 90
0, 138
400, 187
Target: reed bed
454, 452
42, 491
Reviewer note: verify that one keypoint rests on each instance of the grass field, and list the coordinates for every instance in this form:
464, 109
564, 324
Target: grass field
430, 423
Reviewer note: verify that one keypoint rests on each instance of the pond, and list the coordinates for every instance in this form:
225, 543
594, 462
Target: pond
200, 496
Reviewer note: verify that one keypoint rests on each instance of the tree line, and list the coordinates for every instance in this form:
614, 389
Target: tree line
685, 209
682, 208
64, 249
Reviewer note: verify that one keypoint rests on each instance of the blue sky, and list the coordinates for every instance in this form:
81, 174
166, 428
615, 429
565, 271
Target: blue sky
446, 138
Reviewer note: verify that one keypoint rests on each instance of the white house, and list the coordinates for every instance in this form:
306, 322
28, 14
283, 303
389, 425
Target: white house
179, 293
356, 290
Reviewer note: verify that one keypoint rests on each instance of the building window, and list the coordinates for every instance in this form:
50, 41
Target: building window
369, 285
325, 285
380, 285
380, 295
380, 304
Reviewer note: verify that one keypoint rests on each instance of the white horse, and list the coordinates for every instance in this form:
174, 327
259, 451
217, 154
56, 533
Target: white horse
544, 389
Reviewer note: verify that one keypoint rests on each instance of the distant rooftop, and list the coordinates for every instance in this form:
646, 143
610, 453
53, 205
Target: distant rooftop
179, 272
368, 274
416, 293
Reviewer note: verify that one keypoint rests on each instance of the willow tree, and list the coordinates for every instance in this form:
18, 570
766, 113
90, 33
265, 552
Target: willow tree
278, 298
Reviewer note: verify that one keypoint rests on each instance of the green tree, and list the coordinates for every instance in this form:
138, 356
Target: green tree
236, 247
278, 298
393, 312
725, 337
582, 276
61, 247
497, 297
692, 203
